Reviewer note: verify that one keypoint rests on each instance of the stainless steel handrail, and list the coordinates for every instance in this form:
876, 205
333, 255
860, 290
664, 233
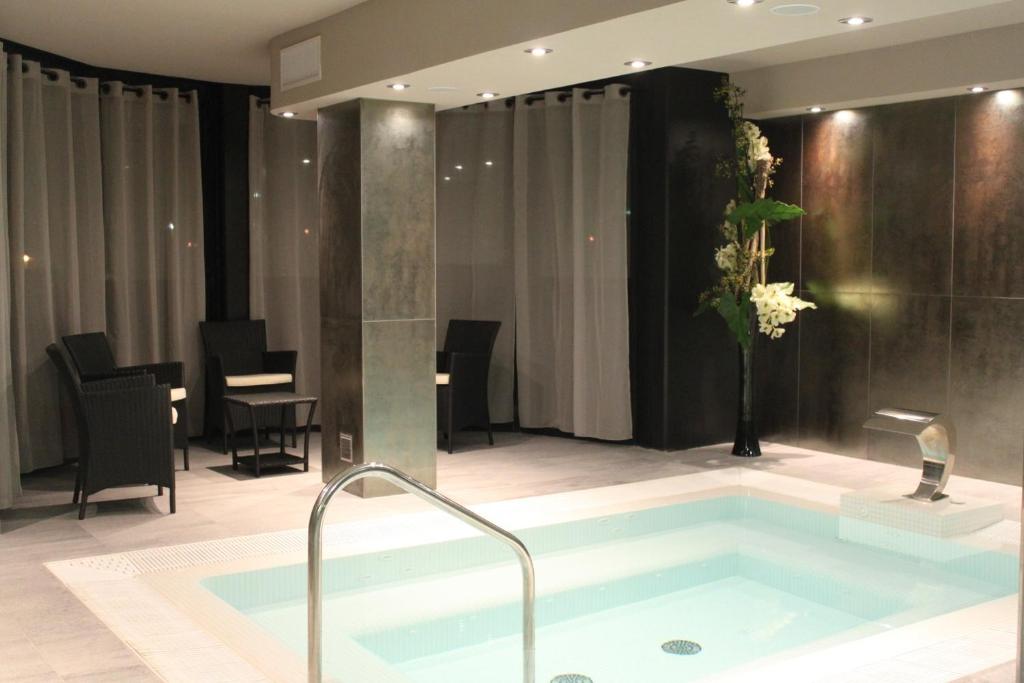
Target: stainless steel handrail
407, 483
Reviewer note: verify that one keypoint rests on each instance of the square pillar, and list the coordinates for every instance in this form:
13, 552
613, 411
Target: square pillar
376, 188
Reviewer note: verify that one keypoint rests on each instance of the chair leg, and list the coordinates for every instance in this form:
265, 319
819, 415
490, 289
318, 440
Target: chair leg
78, 486
224, 433
451, 431
490, 433
171, 487
81, 508
185, 451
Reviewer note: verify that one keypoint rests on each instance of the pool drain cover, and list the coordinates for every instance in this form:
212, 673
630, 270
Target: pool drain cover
572, 678
681, 647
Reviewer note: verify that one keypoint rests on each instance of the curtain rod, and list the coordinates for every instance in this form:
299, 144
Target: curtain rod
53, 75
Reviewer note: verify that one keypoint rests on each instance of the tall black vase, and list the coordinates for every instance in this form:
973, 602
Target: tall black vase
746, 444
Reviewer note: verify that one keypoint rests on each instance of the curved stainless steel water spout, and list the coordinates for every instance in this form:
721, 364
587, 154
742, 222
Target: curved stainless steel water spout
936, 438
407, 483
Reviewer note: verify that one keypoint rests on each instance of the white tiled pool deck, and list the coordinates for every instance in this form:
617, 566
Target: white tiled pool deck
46, 633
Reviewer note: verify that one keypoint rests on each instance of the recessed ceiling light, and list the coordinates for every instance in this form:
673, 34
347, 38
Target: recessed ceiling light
488, 163
447, 177
977, 89
815, 109
26, 258
638, 63
399, 86
855, 21
487, 95
744, 3
458, 167
795, 10
288, 114
170, 226
539, 51
307, 161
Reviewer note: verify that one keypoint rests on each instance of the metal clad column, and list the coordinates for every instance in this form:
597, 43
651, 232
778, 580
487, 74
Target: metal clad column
376, 188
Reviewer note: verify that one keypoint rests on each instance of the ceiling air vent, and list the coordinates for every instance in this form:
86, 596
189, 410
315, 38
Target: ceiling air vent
300, 63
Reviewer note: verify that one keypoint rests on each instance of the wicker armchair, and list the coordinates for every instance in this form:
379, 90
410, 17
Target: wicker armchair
237, 362
463, 368
92, 358
125, 431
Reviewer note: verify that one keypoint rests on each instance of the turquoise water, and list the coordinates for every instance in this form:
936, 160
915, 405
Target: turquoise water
744, 577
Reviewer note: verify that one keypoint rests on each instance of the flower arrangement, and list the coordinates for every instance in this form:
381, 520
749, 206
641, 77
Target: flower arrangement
743, 259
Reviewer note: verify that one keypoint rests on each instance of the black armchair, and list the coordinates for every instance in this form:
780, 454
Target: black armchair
237, 362
92, 358
125, 431
462, 385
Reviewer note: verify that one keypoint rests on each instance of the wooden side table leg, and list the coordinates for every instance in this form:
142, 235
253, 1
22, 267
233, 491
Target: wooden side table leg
305, 440
255, 438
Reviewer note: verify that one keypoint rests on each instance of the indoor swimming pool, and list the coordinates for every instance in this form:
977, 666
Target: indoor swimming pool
672, 593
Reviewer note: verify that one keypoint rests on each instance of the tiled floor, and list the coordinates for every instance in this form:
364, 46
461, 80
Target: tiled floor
47, 635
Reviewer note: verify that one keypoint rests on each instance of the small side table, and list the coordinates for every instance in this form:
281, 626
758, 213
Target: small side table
272, 399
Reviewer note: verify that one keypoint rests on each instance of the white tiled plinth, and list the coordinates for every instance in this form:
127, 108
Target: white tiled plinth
954, 515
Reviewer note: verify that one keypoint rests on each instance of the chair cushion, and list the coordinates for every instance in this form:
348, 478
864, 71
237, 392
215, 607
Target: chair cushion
258, 380
178, 394
174, 415
442, 378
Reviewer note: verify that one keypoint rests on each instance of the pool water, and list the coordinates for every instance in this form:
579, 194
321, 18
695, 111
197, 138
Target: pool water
743, 577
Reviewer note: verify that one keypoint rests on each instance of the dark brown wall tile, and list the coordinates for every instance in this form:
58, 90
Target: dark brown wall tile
989, 233
909, 366
834, 373
836, 236
913, 197
987, 387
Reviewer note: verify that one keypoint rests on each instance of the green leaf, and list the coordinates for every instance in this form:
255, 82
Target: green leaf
736, 315
752, 214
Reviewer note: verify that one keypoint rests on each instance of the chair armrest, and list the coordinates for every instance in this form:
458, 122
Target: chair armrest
116, 372
215, 372
119, 383
442, 361
171, 373
280, 361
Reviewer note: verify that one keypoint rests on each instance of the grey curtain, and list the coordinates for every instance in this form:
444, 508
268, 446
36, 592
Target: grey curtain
55, 228
475, 265
104, 230
572, 313
153, 229
10, 465
284, 221
537, 239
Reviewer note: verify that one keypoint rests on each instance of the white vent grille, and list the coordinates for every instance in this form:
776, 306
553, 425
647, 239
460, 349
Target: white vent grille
300, 63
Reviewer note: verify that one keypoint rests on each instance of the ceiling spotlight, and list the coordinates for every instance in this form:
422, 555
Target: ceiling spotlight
487, 95
447, 177
977, 89
744, 3
539, 51
307, 161
855, 21
170, 226
26, 258
488, 163
399, 86
815, 109
458, 167
288, 114
638, 63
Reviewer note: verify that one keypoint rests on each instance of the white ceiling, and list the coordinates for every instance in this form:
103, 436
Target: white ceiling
707, 33
213, 40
